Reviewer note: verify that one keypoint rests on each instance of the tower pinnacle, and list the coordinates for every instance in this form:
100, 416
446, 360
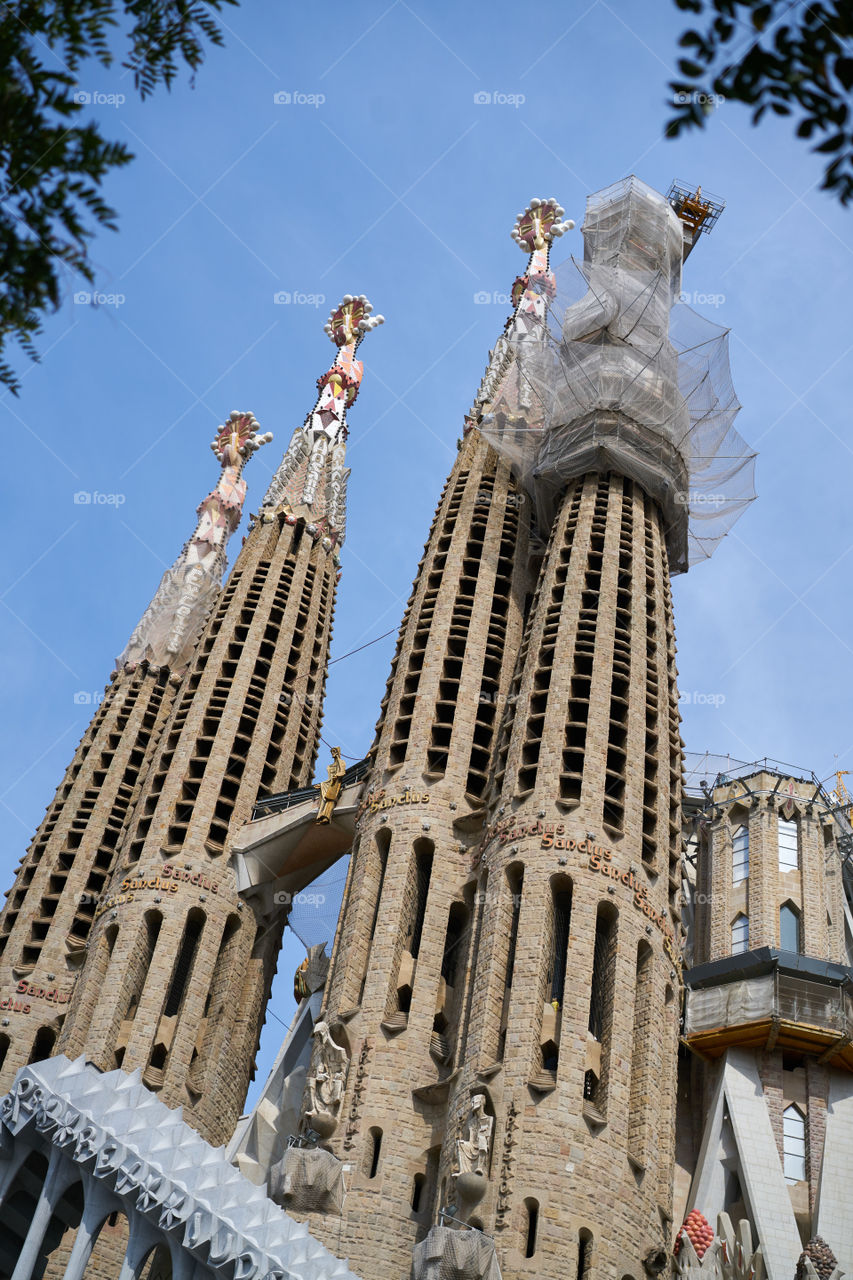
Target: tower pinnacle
311, 479
169, 628
534, 232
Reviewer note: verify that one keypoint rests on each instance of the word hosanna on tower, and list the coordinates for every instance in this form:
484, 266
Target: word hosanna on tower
582, 1018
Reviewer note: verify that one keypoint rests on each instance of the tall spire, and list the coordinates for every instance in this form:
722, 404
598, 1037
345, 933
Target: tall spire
534, 232
311, 479
171, 625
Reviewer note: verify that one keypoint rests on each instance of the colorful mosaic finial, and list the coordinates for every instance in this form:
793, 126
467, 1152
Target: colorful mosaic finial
238, 439
171, 625
311, 478
540, 223
534, 231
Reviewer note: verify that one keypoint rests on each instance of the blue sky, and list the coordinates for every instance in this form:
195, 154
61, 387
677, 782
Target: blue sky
385, 174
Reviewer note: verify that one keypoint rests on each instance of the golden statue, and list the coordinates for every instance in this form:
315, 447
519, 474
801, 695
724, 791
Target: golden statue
331, 789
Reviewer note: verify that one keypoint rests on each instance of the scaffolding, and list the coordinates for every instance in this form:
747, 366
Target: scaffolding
623, 377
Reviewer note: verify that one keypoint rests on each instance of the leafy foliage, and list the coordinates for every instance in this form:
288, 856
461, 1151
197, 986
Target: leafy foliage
51, 162
785, 56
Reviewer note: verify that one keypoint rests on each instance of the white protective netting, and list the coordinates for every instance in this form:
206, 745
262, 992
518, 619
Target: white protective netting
308, 1180
450, 1254
625, 378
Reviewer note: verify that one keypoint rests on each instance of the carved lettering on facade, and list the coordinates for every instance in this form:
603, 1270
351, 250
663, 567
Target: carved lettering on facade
358, 1089
507, 1158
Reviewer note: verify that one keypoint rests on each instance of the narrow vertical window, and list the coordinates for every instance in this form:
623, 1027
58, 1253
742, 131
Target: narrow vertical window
183, 965
560, 944
641, 1055
789, 851
740, 934
789, 928
740, 854
601, 1002
423, 871
43, 1044
584, 1255
794, 1144
374, 1152
515, 881
532, 1208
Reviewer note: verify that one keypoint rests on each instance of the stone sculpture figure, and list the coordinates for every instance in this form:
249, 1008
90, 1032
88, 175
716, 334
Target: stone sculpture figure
326, 1085
472, 1152
331, 789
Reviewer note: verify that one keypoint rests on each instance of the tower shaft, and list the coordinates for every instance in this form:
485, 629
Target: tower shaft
179, 972
45, 927
574, 1015
396, 989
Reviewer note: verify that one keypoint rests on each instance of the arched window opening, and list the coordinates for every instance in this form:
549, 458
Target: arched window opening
43, 1044
184, 963
641, 1055
515, 884
418, 1192
423, 872
584, 1255
789, 851
138, 971
740, 934
602, 965
374, 1151
794, 1144
532, 1224
515, 880
740, 854
601, 1005
379, 864
457, 932
562, 901
789, 928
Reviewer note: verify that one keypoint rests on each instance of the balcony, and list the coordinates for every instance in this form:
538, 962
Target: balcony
769, 999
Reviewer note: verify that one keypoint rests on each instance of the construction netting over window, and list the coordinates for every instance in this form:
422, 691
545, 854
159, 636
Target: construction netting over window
625, 377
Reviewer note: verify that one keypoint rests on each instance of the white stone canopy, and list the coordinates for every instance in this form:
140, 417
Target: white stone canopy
134, 1154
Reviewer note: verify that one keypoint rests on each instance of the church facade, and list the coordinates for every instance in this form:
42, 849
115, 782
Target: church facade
570, 1004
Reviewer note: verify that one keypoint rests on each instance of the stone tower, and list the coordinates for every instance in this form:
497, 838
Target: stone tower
501, 1017
178, 972
560, 1124
396, 994
765, 1013
47, 919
